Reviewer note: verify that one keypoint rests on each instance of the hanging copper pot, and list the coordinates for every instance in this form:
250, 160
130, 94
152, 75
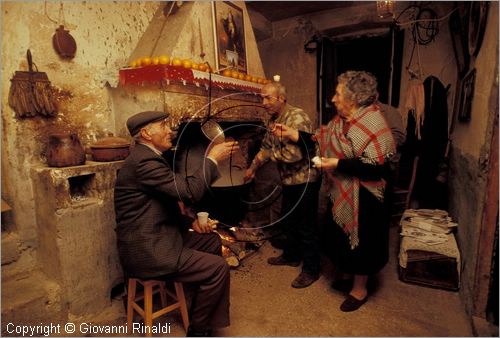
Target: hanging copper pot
63, 43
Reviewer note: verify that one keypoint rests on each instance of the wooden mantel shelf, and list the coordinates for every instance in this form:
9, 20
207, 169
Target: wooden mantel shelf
175, 75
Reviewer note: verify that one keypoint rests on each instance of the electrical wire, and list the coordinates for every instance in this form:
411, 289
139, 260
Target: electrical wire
424, 30
422, 34
407, 23
425, 33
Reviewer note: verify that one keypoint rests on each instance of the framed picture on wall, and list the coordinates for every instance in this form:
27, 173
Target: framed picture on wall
466, 96
229, 36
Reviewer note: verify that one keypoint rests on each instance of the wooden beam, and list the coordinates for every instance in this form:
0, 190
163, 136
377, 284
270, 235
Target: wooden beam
358, 28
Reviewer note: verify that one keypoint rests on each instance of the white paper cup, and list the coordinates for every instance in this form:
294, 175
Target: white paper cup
202, 217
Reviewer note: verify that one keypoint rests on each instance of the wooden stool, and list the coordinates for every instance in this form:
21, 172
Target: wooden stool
151, 287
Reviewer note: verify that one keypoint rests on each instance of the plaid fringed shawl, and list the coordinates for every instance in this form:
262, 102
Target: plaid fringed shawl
366, 137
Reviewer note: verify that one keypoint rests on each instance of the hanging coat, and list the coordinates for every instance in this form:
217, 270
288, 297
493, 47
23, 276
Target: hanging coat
432, 147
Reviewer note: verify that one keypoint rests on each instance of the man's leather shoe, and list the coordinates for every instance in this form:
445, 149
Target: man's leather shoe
352, 304
280, 260
304, 280
198, 333
342, 285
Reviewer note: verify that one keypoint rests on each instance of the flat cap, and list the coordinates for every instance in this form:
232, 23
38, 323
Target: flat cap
139, 120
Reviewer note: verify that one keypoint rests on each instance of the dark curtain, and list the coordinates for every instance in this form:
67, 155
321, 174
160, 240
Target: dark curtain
372, 54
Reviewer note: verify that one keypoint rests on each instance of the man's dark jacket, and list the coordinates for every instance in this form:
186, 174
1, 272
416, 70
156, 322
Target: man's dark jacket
149, 222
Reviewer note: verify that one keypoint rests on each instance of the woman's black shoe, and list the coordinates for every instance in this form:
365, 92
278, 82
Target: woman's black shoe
342, 285
352, 304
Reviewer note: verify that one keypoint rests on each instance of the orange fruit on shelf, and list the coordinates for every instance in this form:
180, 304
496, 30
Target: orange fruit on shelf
234, 74
164, 60
138, 62
155, 60
146, 61
241, 76
195, 66
248, 77
176, 62
202, 66
133, 64
187, 63
227, 73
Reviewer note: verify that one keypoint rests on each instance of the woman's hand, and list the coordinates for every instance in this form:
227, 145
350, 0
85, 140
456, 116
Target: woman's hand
282, 131
325, 163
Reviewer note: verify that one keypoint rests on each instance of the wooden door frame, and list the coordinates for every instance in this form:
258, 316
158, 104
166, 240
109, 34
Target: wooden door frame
488, 227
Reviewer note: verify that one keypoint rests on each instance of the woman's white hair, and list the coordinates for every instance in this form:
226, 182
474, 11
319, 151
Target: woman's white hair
361, 87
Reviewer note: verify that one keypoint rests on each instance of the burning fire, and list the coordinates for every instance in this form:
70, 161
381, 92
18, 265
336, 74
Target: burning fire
225, 250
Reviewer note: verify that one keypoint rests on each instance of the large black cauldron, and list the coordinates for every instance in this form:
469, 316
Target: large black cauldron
227, 197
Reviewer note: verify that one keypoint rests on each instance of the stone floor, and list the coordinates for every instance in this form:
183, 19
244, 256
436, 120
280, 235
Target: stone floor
264, 304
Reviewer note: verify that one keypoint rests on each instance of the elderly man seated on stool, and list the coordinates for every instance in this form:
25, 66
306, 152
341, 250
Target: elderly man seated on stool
152, 234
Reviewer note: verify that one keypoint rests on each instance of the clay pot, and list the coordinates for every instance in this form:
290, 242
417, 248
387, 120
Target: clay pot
110, 149
65, 150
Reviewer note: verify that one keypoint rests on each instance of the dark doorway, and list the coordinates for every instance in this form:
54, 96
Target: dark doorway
374, 54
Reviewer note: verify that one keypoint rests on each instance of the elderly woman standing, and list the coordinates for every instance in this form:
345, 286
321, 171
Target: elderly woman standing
355, 147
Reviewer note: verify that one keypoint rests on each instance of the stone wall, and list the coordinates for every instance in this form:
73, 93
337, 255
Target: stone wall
38, 284
81, 84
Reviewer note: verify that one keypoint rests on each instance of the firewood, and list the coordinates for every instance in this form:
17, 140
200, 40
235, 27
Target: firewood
248, 235
235, 248
232, 261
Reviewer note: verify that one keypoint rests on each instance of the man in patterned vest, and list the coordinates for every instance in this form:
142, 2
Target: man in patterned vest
300, 185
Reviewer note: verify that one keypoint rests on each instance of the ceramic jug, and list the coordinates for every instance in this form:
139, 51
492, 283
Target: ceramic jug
65, 150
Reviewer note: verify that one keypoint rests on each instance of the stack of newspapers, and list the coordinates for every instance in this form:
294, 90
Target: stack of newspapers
425, 225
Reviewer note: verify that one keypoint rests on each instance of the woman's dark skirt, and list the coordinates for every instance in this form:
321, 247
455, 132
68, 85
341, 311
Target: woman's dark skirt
372, 253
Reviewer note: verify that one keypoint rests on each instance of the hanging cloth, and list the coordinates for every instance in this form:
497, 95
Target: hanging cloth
415, 103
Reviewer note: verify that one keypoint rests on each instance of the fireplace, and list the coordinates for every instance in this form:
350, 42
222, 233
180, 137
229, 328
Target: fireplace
193, 94
228, 197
